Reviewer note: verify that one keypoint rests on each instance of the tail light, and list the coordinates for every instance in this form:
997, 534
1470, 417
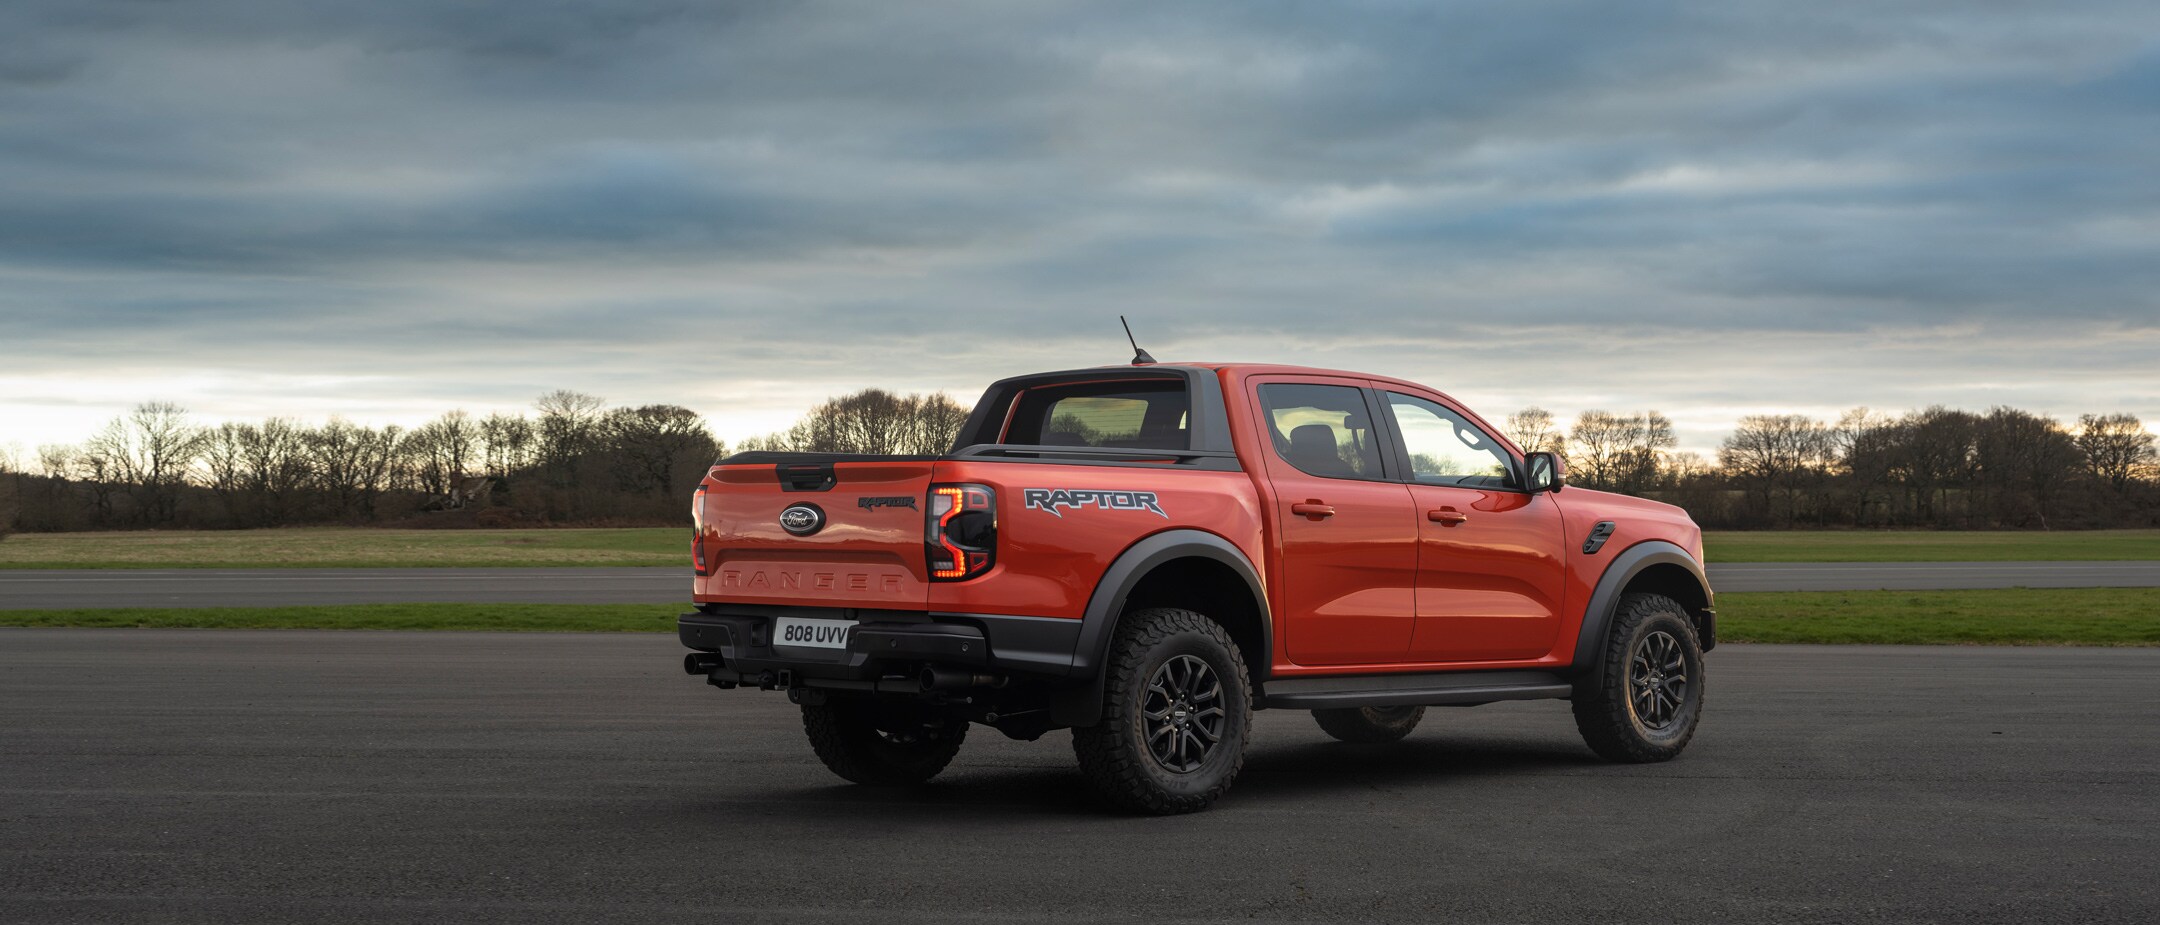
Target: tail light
697, 529
960, 535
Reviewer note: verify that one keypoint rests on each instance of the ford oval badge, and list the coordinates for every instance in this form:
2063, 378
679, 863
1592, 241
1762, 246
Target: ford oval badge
802, 519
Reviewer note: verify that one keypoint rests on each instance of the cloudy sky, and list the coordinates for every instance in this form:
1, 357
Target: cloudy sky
391, 208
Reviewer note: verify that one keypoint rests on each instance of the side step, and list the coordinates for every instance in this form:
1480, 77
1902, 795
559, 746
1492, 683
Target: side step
1452, 688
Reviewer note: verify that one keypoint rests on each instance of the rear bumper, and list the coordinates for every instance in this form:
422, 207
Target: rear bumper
884, 645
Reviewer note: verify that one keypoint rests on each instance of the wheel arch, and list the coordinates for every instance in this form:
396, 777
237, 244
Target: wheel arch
1651, 567
1192, 569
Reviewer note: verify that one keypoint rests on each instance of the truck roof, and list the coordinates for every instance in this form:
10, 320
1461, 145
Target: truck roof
1281, 369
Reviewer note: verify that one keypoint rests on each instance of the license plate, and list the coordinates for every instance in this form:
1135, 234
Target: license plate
812, 634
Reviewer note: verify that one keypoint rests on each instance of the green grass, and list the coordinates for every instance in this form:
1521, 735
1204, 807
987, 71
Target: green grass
2014, 616
347, 547
596, 618
1929, 546
2075, 617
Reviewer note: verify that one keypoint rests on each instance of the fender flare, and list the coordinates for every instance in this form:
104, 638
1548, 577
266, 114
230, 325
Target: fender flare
1605, 600
1107, 605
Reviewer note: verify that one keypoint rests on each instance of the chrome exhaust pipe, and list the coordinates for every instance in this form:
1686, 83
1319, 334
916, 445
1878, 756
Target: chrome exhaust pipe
700, 663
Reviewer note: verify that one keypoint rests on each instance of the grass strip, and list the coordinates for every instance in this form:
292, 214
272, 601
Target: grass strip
582, 618
1931, 546
349, 547
2018, 616
2006, 617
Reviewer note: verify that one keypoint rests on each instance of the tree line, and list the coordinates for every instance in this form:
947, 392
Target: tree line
575, 459
1934, 468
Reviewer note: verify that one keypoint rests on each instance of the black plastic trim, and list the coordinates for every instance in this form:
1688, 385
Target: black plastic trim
1107, 604
1597, 615
1037, 644
1452, 688
1041, 646
773, 458
1598, 535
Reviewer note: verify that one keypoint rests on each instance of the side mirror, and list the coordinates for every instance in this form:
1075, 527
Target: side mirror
1544, 472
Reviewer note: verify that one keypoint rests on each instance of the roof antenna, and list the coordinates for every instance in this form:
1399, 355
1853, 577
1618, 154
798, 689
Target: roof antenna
1140, 357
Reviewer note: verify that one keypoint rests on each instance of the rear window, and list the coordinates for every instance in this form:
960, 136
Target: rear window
1147, 414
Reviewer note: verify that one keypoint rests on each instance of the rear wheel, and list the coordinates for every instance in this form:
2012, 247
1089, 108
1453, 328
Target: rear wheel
881, 743
1369, 725
1650, 696
1176, 708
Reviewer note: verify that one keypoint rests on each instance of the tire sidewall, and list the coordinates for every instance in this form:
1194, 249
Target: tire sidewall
1228, 752
1675, 734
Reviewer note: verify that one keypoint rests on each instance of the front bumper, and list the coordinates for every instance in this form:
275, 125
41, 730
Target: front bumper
886, 649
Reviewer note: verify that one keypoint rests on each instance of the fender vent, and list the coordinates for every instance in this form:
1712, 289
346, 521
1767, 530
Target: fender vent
1598, 535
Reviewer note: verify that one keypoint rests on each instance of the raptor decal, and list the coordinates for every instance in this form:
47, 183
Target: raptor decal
1052, 501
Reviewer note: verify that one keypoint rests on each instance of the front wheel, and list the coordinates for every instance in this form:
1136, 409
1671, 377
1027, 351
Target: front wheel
885, 744
1177, 704
1650, 696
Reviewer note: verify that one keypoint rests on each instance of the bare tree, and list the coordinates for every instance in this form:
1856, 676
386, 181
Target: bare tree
2023, 462
655, 442
149, 451
1535, 430
1774, 455
508, 443
1597, 443
934, 424
569, 424
440, 453
2116, 447
1620, 452
1937, 456
352, 464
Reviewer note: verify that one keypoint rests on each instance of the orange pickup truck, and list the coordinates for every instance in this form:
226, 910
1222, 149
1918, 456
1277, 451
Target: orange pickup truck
1147, 554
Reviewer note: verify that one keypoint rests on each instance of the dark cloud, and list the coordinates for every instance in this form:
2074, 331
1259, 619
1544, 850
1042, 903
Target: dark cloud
1720, 207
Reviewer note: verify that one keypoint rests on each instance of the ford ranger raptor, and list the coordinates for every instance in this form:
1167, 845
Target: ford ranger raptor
1147, 554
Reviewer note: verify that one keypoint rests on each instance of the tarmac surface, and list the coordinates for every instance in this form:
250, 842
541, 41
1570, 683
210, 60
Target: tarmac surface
22, 589
252, 776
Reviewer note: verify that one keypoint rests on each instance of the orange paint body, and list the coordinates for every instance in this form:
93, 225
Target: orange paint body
1397, 575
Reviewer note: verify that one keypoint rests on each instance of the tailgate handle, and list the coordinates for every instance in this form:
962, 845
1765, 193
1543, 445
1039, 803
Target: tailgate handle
807, 476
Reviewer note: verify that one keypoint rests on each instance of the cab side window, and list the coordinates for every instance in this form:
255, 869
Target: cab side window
1323, 430
1446, 449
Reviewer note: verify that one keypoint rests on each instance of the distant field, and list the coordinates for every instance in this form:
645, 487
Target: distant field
1930, 546
342, 547
2014, 616
2077, 617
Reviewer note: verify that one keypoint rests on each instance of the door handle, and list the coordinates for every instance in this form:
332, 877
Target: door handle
1313, 509
1447, 515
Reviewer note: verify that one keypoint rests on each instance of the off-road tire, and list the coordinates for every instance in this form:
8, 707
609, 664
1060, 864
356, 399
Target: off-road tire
1116, 754
1614, 722
882, 744
1369, 725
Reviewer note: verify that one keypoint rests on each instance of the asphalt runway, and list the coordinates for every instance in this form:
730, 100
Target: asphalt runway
226, 776
37, 589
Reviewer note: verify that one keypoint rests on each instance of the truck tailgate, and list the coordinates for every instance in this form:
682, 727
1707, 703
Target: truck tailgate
811, 533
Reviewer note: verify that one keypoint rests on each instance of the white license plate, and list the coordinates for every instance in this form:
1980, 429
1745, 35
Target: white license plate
812, 634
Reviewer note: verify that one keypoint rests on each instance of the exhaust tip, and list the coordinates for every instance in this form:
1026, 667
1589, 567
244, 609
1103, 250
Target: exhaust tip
700, 663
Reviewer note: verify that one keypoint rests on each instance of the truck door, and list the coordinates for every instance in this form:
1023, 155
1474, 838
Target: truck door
1348, 540
1490, 576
